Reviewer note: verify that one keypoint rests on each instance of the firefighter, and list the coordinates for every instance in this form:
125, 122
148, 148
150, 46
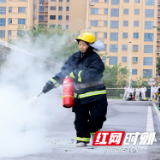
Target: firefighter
90, 99
137, 93
125, 92
153, 91
143, 92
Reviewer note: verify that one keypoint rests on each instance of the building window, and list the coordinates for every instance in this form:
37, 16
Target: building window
2, 1
124, 47
134, 71
67, 17
67, 0
106, 11
60, 8
113, 36
125, 23
52, 26
105, 0
134, 59
10, 9
53, 8
126, 1
21, 21
113, 48
112, 60
136, 11
105, 23
41, 8
136, 1
105, 47
67, 26
147, 73
125, 35
150, 2
2, 33
96, 34
60, 0
41, 1
10, 21
41, 17
53, 0
126, 11
2, 10
60, 26
67, 8
104, 59
2, 22
105, 35
21, 9
124, 59
115, 2
147, 61
60, 17
148, 48
114, 24
149, 24
9, 33
53, 17
114, 12
94, 10
94, 23
136, 23
149, 13
135, 47
135, 35
148, 37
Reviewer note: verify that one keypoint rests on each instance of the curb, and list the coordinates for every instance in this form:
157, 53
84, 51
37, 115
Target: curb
157, 111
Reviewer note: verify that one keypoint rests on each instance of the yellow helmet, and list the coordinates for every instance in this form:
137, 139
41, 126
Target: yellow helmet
87, 36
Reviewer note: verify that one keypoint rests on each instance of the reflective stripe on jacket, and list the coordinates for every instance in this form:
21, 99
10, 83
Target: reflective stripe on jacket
90, 68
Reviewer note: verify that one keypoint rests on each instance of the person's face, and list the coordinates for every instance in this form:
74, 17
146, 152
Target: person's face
138, 86
142, 85
83, 46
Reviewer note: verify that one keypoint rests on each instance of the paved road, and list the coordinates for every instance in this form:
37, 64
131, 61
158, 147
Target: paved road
122, 116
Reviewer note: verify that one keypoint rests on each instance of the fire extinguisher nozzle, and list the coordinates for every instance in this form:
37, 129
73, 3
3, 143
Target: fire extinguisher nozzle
39, 94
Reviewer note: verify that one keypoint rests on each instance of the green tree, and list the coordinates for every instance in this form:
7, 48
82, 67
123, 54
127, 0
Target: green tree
158, 66
115, 76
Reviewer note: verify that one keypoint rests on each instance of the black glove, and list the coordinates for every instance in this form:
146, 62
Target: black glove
49, 85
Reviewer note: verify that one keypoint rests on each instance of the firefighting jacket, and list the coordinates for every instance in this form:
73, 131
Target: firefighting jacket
90, 68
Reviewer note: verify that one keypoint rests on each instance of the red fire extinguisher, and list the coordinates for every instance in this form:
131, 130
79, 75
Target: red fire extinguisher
68, 93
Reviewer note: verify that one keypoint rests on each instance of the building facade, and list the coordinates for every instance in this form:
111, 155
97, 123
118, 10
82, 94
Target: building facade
158, 31
119, 22
67, 14
12, 14
116, 22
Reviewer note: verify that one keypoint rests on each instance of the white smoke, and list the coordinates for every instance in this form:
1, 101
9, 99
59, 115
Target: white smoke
23, 123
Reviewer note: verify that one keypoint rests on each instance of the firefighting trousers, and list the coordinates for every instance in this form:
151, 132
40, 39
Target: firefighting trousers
89, 118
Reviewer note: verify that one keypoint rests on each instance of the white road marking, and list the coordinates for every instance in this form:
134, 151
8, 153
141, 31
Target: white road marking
157, 111
149, 126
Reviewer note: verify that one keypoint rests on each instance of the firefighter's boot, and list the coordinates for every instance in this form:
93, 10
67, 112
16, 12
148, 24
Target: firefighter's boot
81, 144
